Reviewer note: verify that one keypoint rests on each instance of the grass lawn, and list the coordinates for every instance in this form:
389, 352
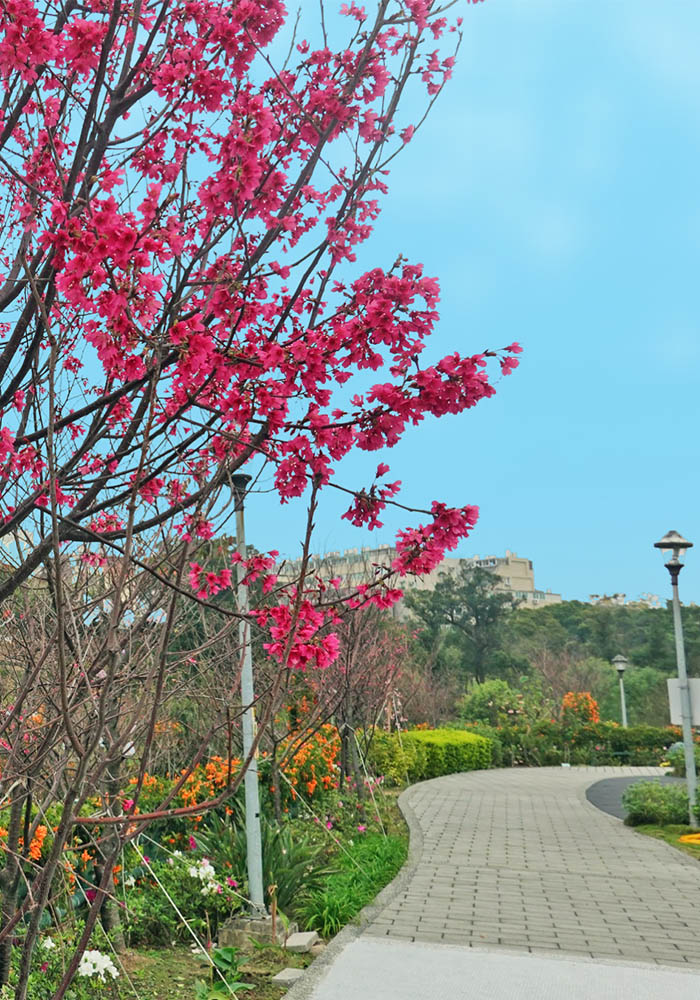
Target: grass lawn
670, 835
171, 973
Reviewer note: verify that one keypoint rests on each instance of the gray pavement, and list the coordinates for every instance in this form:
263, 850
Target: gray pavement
518, 887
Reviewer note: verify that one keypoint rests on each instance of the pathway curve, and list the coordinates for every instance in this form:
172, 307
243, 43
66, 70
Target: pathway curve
519, 887
519, 858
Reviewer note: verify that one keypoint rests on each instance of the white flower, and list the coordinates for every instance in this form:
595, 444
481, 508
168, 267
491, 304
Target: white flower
49, 943
130, 881
94, 963
177, 854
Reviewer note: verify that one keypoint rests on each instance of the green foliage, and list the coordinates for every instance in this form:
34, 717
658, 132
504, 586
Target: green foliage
567, 640
677, 760
389, 755
653, 802
599, 743
494, 735
490, 702
371, 862
466, 607
150, 915
225, 980
292, 860
646, 696
497, 703
49, 964
427, 753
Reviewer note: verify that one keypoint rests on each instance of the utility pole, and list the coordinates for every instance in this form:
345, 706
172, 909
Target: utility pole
252, 791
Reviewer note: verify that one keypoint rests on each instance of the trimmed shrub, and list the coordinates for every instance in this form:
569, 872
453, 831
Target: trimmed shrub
493, 734
598, 743
652, 802
677, 760
428, 753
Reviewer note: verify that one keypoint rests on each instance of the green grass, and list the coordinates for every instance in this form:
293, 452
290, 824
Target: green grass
171, 973
369, 864
670, 834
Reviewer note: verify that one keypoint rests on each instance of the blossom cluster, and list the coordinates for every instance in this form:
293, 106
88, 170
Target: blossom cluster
192, 282
204, 871
93, 964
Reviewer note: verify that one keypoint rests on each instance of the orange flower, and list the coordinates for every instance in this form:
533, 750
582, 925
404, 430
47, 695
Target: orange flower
37, 843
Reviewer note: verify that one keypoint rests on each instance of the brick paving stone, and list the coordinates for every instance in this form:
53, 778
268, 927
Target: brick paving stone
518, 858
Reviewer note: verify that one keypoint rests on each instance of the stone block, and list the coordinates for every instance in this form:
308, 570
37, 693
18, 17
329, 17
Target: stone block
287, 976
301, 942
238, 931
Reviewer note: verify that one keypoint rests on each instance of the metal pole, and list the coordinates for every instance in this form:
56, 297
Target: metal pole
674, 567
252, 792
623, 703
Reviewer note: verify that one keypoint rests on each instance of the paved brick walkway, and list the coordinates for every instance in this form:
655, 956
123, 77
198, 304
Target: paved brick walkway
518, 858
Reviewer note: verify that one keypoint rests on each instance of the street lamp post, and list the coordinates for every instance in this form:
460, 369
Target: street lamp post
252, 792
678, 546
620, 664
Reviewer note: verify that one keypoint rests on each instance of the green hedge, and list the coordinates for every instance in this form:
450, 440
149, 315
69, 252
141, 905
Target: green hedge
551, 743
427, 753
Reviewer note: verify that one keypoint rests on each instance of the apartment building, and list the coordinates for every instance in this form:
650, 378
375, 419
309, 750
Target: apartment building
514, 573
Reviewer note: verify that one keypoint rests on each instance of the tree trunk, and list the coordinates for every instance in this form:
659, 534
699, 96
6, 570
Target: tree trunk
357, 771
276, 790
9, 881
110, 917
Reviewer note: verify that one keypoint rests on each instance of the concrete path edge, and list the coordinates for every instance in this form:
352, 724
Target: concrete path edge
313, 974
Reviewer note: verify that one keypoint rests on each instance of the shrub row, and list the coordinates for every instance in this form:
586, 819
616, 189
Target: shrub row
427, 753
550, 743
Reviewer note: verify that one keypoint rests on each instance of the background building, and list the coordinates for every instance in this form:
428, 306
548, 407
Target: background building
514, 573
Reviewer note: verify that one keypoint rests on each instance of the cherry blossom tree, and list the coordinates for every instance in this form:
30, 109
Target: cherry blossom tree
180, 300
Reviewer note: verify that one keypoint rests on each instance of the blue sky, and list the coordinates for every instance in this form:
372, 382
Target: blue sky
554, 192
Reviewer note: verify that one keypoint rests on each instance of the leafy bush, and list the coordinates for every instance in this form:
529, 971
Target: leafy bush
369, 864
428, 753
224, 976
490, 702
291, 860
205, 899
652, 802
393, 757
677, 759
496, 703
599, 743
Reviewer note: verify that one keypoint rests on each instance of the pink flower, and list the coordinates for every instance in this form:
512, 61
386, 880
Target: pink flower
127, 804
193, 843
361, 828
231, 882
329, 825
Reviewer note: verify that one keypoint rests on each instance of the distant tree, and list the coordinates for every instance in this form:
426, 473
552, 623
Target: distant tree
466, 606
